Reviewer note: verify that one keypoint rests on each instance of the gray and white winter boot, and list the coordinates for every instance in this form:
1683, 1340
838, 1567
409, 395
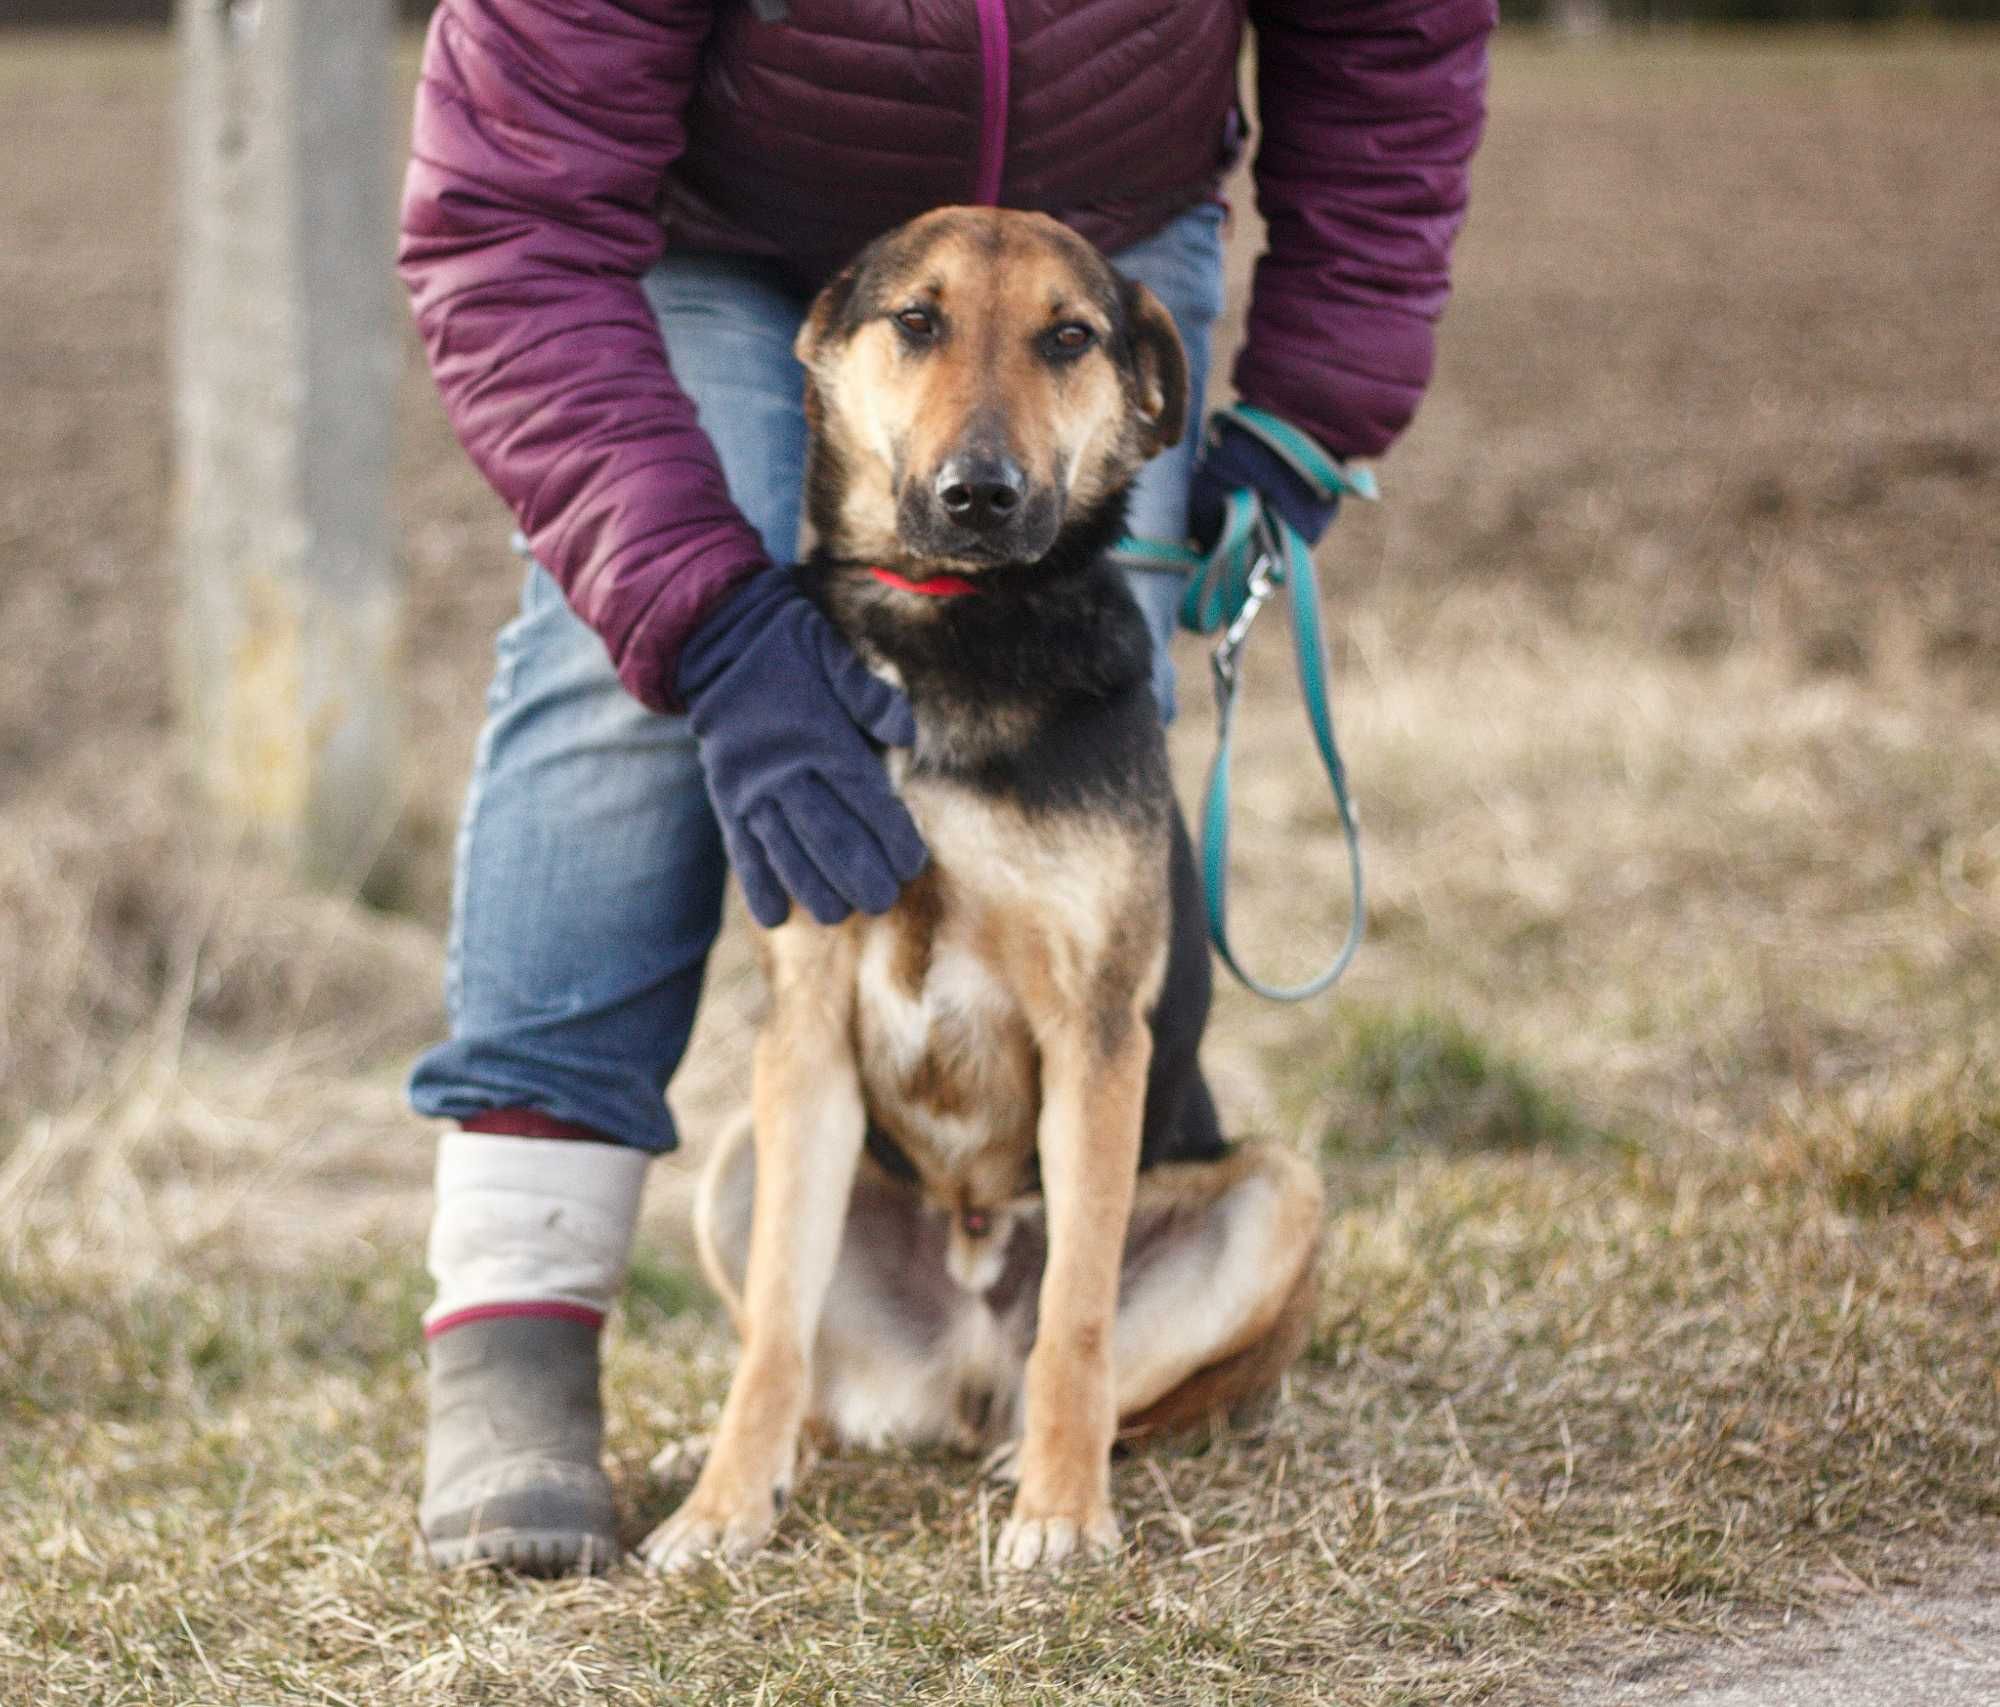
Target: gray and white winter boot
528, 1248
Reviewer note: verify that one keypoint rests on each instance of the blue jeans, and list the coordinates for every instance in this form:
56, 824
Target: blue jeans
590, 870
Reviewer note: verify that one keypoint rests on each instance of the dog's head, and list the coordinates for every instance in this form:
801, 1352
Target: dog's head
975, 379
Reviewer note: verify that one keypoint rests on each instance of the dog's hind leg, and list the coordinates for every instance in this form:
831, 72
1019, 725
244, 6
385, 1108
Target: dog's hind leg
1218, 1287
808, 1125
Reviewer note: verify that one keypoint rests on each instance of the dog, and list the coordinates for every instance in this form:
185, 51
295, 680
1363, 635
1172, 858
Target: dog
983, 1198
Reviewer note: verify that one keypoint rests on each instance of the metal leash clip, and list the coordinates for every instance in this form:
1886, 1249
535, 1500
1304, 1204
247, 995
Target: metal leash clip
1263, 582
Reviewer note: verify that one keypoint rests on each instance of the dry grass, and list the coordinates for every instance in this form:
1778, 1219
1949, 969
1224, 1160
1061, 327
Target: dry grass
1662, 1116
1556, 1405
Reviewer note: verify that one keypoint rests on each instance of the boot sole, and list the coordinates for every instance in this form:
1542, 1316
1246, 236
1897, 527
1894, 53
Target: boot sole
525, 1552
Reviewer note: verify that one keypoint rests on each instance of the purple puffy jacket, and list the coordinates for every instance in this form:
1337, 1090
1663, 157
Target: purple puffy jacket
560, 145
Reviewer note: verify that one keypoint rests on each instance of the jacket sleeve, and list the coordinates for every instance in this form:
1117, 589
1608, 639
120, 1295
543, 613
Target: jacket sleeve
542, 131
1370, 111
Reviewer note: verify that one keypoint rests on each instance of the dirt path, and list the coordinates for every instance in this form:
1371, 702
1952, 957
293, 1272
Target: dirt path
1938, 1645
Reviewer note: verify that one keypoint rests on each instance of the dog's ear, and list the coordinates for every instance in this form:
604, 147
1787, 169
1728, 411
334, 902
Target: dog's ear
827, 314
1159, 364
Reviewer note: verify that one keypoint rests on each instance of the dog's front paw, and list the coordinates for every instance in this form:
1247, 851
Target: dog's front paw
1033, 1542
731, 1512
702, 1529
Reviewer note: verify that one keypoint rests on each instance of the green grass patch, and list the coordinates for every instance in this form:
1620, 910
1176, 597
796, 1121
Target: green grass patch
1419, 1080
662, 1291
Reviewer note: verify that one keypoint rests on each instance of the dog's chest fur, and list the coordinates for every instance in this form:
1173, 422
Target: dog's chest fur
948, 1055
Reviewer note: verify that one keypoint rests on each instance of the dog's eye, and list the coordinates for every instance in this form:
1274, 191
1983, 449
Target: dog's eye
917, 324
1072, 338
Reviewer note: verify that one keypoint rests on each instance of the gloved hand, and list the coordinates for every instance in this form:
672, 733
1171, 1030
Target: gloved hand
1233, 458
780, 704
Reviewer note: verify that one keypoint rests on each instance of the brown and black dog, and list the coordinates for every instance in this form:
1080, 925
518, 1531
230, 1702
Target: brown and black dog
983, 1197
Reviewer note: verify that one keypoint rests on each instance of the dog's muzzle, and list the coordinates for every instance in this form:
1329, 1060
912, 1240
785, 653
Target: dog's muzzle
979, 508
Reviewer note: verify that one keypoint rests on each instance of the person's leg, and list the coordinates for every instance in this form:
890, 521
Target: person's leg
1181, 264
588, 892
590, 870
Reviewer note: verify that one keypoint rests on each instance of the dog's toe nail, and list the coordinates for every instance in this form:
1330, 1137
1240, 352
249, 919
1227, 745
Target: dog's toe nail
1019, 1545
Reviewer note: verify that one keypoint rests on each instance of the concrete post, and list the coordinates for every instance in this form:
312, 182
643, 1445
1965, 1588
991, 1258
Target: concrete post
286, 354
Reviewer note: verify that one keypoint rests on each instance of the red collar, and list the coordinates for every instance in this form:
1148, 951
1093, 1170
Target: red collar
935, 587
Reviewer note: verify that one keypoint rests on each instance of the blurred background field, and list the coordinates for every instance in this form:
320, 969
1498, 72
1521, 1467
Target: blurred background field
1661, 1113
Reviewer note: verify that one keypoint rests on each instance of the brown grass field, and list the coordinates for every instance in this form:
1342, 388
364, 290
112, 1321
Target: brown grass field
1661, 1115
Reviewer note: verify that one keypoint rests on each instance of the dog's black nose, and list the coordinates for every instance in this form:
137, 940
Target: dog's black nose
981, 492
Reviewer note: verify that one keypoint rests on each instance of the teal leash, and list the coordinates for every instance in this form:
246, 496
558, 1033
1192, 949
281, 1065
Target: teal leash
1254, 557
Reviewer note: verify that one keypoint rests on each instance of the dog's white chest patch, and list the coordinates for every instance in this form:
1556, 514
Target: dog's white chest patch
958, 995
938, 1053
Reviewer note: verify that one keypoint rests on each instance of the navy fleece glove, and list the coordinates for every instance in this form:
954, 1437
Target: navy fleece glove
1233, 459
779, 704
